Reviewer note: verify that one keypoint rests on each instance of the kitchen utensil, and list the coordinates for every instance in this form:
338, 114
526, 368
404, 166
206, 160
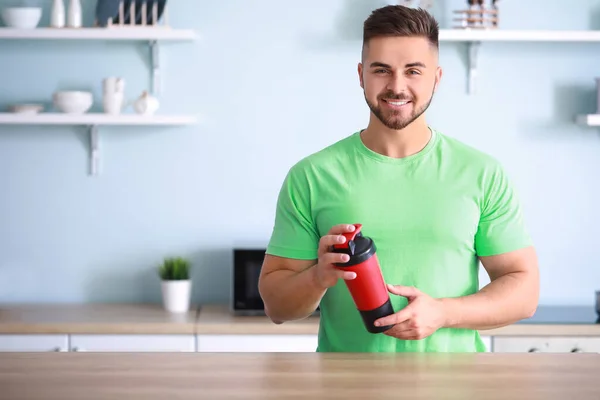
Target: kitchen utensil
22, 17
57, 14
113, 94
72, 101
146, 104
144, 11
74, 14
26, 108
368, 289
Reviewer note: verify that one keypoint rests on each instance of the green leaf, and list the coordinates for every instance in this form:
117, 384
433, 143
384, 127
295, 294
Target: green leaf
174, 268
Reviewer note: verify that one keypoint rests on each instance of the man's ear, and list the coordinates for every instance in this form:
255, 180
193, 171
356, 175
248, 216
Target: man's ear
438, 77
360, 75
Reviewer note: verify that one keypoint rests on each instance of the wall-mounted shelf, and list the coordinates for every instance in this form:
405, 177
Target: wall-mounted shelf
474, 37
589, 119
112, 33
500, 35
152, 35
92, 121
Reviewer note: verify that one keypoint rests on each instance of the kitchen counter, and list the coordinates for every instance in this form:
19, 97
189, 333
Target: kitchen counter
250, 376
548, 321
217, 319
94, 319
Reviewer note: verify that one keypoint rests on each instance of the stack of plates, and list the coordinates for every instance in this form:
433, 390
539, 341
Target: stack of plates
106, 9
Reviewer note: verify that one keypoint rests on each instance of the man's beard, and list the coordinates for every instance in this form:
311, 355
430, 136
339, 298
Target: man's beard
392, 120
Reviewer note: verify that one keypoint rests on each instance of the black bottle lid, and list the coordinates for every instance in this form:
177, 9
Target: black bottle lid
360, 248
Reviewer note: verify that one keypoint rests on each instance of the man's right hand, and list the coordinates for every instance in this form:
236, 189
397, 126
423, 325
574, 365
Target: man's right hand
326, 274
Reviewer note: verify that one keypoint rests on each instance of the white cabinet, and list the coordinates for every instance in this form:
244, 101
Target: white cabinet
257, 343
33, 342
269, 343
131, 343
487, 340
546, 344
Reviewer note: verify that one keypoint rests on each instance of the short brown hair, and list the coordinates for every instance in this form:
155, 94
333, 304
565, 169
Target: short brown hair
397, 20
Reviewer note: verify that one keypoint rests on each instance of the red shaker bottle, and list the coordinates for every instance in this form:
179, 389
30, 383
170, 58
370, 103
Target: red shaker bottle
368, 289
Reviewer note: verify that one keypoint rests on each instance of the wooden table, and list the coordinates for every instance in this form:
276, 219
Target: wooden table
214, 376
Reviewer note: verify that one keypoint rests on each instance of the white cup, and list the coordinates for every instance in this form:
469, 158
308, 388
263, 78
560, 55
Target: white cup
113, 84
113, 103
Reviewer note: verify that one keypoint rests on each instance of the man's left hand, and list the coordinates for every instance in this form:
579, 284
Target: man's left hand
420, 318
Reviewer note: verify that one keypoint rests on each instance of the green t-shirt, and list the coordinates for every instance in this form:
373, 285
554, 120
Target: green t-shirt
430, 215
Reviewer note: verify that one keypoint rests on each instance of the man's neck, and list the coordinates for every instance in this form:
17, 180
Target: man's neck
396, 143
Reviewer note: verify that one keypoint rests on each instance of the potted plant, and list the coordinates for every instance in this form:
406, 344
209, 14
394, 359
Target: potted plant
176, 284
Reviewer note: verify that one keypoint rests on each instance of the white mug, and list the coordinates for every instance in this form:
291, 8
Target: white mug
113, 95
113, 85
113, 103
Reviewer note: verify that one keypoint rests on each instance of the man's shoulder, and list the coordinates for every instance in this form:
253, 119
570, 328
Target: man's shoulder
324, 157
463, 153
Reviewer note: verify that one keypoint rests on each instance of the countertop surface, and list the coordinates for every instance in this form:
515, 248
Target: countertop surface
250, 376
218, 319
95, 318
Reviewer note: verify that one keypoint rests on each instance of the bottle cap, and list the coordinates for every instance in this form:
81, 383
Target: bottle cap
360, 248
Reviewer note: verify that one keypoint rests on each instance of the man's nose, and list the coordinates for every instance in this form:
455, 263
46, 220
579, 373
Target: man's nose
397, 83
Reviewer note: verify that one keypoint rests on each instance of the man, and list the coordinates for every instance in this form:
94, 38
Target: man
433, 206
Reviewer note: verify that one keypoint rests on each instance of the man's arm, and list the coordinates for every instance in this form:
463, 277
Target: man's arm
288, 288
511, 295
292, 289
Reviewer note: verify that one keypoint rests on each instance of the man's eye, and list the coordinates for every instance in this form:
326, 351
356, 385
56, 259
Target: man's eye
380, 71
414, 72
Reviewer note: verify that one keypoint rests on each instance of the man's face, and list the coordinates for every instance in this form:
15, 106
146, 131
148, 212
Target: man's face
399, 76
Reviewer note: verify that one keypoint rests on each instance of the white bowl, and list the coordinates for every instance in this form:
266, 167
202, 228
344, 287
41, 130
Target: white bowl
26, 108
22, 17
73, 101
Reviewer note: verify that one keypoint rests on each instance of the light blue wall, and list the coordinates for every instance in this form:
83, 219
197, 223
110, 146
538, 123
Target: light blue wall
274, 81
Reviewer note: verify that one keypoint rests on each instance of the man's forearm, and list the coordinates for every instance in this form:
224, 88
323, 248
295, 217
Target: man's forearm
506, 300
290, 295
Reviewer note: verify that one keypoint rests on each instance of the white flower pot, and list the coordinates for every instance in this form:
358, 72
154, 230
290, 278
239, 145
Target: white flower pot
176, 295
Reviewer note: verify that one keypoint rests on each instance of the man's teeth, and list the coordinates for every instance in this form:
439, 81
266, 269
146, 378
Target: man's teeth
397, 103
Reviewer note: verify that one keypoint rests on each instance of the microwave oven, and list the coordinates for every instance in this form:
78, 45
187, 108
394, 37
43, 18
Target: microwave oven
245, 297
247, 264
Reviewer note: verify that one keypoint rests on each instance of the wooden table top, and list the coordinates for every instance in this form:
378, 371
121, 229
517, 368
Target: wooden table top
483, 376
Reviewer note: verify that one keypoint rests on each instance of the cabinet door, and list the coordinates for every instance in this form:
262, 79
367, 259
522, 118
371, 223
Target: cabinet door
487, 340
548, 344
257, 343
574, 344
520, 344
133, 343
33, 342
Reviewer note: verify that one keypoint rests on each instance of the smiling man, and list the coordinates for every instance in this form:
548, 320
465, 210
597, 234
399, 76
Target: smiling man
434, 207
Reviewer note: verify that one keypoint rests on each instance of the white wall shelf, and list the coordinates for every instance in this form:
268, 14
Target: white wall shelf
153, 35
92, 121
589, 119
500, 35
112, 33
474, 37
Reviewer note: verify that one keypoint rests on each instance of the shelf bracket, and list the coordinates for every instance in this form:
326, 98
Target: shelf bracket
155, 66
94, 150
473, 50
